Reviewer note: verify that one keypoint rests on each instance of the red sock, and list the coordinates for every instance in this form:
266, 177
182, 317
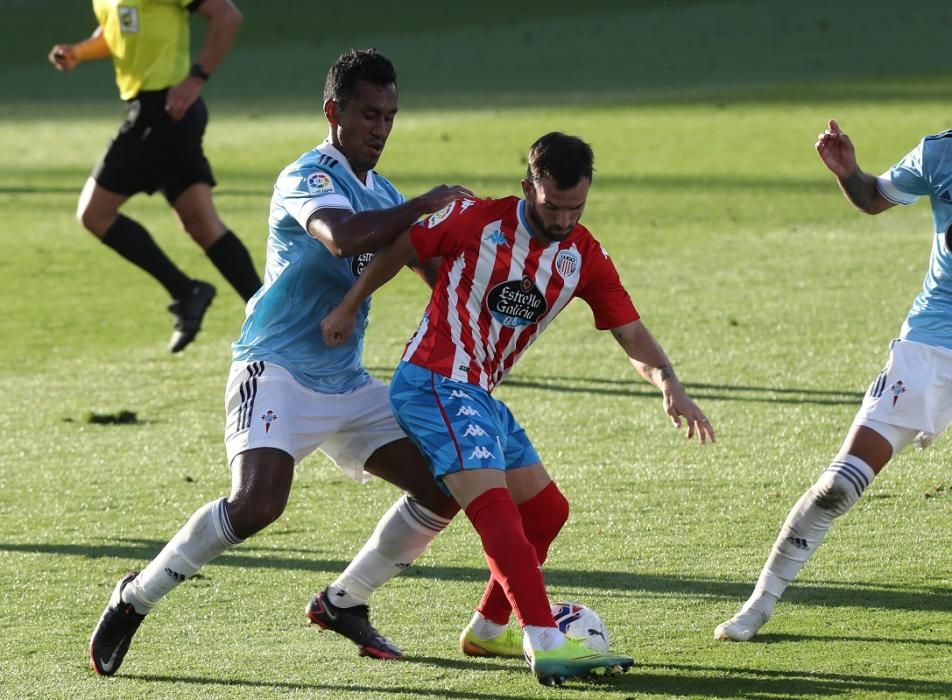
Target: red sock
512, 559
543, 516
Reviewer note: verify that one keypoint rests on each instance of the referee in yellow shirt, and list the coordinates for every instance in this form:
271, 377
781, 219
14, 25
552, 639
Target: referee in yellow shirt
159, 145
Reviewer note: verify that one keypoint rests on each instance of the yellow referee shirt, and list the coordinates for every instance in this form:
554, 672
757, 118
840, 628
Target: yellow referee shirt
148, 40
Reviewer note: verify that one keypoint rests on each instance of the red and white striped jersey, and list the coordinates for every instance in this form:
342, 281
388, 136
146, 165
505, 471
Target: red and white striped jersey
499, 287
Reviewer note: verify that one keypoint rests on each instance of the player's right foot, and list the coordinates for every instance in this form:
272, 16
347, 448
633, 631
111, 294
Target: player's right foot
744, 625
111, 638
188, 313
508, 643
573, 659
353, 623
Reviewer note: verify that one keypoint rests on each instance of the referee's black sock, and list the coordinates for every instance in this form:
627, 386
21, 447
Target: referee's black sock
133, 242
233, 261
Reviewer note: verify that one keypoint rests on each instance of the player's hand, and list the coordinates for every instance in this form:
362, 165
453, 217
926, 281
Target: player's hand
678, 405
63, 57
182, 96
440, 196
338, 326
836, 151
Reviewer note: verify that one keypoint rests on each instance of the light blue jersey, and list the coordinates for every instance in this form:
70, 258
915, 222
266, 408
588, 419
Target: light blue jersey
927, 170
303, 281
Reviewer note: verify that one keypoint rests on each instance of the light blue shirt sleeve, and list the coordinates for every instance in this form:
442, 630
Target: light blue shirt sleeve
906, 181
305, 191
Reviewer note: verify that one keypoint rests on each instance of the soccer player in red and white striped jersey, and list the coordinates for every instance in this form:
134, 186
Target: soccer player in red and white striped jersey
509, 267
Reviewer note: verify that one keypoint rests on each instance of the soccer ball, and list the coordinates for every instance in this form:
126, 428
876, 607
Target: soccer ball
579, 622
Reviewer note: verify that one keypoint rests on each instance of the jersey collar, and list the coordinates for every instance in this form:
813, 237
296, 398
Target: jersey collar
328, 149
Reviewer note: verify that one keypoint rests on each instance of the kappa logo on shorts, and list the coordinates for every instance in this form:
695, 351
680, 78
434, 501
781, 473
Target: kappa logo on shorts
897, 389
319, 183
467, 411
269, 418
473, 430
460, 394
481, 453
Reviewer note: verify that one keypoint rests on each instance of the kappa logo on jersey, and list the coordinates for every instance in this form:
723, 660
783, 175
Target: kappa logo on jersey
269, 418
897, 389
319, 183
567, 263
496, 237
128, 19
473, 430
437, 217
467, 411
481, 453
460, 394
467, 203
516, 303
359, 263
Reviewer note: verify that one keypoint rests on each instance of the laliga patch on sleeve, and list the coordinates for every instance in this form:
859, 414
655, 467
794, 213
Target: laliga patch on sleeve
319, 183
439, 216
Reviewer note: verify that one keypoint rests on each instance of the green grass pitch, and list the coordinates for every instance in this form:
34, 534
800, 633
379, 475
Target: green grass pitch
775, 300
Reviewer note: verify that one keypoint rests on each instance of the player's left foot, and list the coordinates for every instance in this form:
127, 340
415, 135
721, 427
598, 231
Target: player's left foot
573, 659
509, 643
113, 633
188, 313
353, 623
743, 626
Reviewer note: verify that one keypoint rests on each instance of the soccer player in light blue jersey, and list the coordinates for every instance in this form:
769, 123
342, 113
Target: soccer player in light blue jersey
289, 394
909, 402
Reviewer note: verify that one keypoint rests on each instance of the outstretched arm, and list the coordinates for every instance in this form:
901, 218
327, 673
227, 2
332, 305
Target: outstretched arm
224, 19
65, 57
338, 325
346, 233
649, 359
838, 154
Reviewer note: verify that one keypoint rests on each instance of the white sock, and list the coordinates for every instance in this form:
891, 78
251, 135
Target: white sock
207, 534
485, 629
400, 537
541, 638
834, 493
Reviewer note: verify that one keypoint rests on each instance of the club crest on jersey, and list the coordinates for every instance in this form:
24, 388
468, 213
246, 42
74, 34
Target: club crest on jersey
319, 183
567, 263
437, 217
359, 263
516, 303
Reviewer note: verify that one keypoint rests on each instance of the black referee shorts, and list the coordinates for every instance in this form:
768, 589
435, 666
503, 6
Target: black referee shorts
151, 152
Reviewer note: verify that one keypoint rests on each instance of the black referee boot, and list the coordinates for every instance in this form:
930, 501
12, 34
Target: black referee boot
188, 313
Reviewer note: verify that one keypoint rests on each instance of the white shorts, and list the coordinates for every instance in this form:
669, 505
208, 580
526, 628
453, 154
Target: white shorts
911, 399
266, 407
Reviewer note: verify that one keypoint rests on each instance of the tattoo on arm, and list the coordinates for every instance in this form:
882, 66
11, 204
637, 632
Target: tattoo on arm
666, 372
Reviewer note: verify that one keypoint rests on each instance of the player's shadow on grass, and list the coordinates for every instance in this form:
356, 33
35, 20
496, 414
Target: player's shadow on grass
343, 690
698, 390
618, 584
730, 682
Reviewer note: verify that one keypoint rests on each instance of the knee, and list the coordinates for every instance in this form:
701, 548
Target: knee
547, 513
93, 221
251, 515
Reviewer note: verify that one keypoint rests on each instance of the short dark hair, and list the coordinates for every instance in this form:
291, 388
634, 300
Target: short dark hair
354, 65
565, 159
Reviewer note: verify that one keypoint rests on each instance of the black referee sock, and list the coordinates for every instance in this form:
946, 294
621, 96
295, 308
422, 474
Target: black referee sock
233, 261
133, 242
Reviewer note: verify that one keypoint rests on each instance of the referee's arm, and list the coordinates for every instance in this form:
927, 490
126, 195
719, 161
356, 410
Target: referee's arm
65, 57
